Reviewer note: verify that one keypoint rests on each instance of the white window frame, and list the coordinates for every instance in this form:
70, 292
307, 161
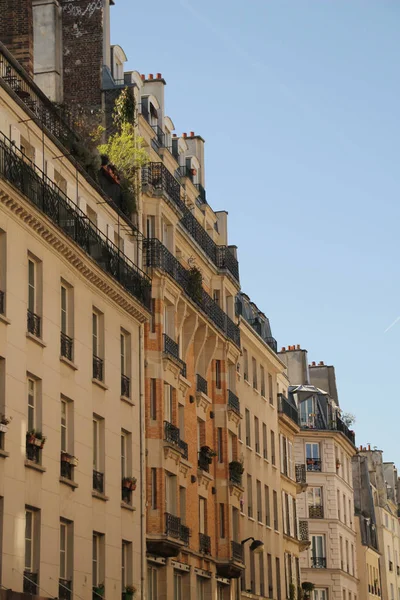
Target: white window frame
32, 403
32, 285
64, 425
152, 583
64, 550
64, 309
30, 539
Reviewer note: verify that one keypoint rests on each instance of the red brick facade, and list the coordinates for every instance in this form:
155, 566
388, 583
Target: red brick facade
16, 30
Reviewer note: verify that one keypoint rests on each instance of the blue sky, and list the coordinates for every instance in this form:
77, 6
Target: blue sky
298, 102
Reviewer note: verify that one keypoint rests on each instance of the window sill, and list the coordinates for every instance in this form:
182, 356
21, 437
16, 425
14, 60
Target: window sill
256, 391
101, 384
240, 441
258, 454
4, 454
32, 465
128, 506
68, 482
99, 496
3, 319
247, 382
251, 519
127, 401
260, 523
69, 363
35, 339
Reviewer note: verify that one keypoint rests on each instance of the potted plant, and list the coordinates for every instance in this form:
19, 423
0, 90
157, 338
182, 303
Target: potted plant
195, 284
68, 458
129, 592
4, 421
129, 483
292, 591
98, 591
236, 467
36, 438
308, 587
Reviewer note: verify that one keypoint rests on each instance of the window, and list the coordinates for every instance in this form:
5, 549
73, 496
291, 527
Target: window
391, 591
202, 515
270, 390
92, 215
313, 457
97, 559
267, 507
278, 579
341, 553
338, 504
344, 510
152, 587
249, 497
126, 564
66, 321
347, 557
153, 488
125, 350
66, 553
276, 518
153, 316
98, 454
265, 441
97, 343
217, 297
261, 573
256, 435
262, 381
123, 344
168, 402
222, 520
218, 382
318, 558
125, 454
314, 501
259, 501
153, 399
254, 367
34, 297
245, 365
31, 286
30, 535
182, 504
270, 576
248, 437
178, 594
273, 459
320, 594
32, 400
220, 445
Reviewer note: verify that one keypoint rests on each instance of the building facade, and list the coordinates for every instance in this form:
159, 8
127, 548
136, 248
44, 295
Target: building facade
73, 305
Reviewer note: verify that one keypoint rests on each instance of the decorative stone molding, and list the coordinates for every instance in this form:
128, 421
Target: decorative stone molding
204, 479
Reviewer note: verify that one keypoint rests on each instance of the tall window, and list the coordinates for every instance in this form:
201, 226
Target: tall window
313, 457
126, 564
64, 310
31, 404
123, 344
30, 535
261, 573
245, 365
153, 316
259, 501
267, 507
265, 441
248, 437
249, 496
98, 454
178, 593
153, 488
182, 504
97, 560
254, 366
270, 390
97, 344
220, 445
152, 583
124, 468
222, 520
64, 425
31, 286
262, 381
257, 435
66, 553
218, 382
318, 558
276, 516
95, 334
270, 576
153, 399
320, 594
202, 515
273, 457
314, 501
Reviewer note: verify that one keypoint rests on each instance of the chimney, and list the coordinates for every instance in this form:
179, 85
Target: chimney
143, 77
184, 135
369, 447
298, 347
313, 363
151, 76
16, 30
159, 76
321, 363
192, 134
283, 349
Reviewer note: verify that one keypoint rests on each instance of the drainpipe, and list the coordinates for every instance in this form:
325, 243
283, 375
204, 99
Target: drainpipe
142, 466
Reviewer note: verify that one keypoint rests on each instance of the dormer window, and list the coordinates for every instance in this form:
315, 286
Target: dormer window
153, 114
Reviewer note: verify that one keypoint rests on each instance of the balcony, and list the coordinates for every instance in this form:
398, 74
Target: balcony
318, 562
314, 464
237, 551
67, 465
340, 426
202, 192
67, 345
159, 178
236, 473
316, 511
125, 386
159, 257
171, 349
204, 543
287, 409
159, 140
185, 534
233, 566
201, 385
233, 402
203, 462
20, 172
304, 535
97, 368
34, 447
171, 541
301, 476
64, 589
98, 482
1, 303
172, 436
30, 583
34, 324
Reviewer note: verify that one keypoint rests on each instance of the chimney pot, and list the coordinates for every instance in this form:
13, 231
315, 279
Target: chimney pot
369, 447
159, 76
313, 363
283, 349
192, 134
174, 135
151, 76
143, 77
321, 363
184, 135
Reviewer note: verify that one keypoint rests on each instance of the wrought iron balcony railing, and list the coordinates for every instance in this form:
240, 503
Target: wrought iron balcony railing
170, 346
34, 324
18, 170
233, 402
159, 140
172, 526
340, 426
64, 589
33, 452
201, 384
185, 534
316, 512
158, 256
300, 473
202, 192
237, 551
314, 464
318, 562
67, 345
125, 386
204, 543
98, 482
66, 469
97, 368
1, 302
226, 260
30, 583
172, 436
303, 531
287, 409
157, 175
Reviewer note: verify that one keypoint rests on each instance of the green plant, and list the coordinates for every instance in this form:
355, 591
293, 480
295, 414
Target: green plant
300, 595
348, 419
98, 590
124, 108
129, 592
237, 467
292, 591
195, 284
308, 587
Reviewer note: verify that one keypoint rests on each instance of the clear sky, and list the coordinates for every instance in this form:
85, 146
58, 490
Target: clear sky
298, 101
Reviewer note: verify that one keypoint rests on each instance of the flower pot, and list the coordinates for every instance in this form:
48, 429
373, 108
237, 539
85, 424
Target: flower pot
3, 428
65, 458
73, 461
38, 442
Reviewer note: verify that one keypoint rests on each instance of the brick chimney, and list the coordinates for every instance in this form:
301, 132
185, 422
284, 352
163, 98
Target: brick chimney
16, 30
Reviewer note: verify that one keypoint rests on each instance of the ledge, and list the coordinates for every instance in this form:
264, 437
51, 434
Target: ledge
127, 401
69, 363
68, 482
99, 496
35, 339
32, 465
128, 506
4, 319
101, 384
4, 454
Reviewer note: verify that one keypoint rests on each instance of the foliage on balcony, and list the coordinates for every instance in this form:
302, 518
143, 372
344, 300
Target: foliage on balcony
35, 438
307, 588
195, 283
129, 483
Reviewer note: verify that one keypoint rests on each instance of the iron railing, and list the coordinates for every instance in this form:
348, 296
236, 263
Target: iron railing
172, 526
157, 175
171, 348
66, 469
318, 562
172, 436
18, 170
30, 583
125, 386
1, 302
316, 511
97, 368
158, 256
98, 482
64, 589
159, 140
204, 543
287, 409
34, 323
201, 384
126, 495
314, 464
203, 462
33, 452
202, 192
340, 426
300, 473
185, 534
303, 531
237, 551
67, 345
226, 260
184, 171
233, 402
235, 476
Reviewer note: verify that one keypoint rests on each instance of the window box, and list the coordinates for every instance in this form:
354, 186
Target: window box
68, 458
129, 483
35, 439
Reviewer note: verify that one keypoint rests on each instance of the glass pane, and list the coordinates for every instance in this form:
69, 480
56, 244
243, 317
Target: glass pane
95, 442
